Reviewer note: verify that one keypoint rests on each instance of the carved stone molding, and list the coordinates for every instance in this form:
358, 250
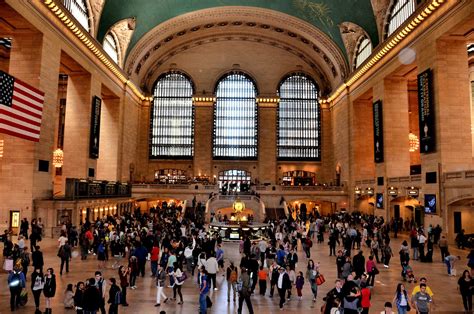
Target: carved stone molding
95, 7
251, 18
123, 31
381, 8
351, 34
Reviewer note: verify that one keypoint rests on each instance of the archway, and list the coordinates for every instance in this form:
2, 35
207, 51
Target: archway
460, 216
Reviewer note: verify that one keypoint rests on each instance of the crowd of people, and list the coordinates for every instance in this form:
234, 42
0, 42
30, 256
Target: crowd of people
174, 248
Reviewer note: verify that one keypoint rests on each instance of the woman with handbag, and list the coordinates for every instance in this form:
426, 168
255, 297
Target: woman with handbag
178, 281
371, 270
401, 299
312, 270
37, 284
49, 289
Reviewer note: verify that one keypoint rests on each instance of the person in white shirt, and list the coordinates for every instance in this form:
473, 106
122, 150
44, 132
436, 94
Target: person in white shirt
212, 267
421, 245
62, 239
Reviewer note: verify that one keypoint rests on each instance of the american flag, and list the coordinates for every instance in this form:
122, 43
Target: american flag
21, 108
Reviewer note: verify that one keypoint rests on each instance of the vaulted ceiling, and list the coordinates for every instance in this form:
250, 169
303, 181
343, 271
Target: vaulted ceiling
304, 35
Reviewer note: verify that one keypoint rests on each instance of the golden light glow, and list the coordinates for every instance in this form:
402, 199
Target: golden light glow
414, 142
58, 158
90, 44
2, 143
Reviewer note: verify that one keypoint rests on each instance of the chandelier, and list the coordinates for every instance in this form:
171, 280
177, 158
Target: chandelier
58, 158
413, 142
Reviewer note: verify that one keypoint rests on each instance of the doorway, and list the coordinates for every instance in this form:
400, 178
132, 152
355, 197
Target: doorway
457, 222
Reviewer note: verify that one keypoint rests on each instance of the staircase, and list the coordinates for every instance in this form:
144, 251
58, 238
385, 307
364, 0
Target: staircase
225, 201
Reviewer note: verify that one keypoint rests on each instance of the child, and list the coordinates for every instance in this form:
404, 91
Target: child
407, 273
69, 297
299, 284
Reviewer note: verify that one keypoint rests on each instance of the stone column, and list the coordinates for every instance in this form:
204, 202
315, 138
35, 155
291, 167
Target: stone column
34, 59
203, 124
267, 142
107, 164
80, 90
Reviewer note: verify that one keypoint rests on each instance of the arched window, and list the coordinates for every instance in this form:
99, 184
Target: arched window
172, 117
401, 10
299, 121
364, 49
110, 46
78, 9
235, 118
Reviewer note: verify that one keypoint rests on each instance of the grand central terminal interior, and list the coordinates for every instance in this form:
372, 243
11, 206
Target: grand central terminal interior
239, 113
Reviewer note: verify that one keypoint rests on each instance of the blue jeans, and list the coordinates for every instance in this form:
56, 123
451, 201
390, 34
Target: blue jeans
402, 309
202, 303
448, 264
154, 267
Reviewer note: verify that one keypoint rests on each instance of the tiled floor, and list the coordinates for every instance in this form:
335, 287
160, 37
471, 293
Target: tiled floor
142, 299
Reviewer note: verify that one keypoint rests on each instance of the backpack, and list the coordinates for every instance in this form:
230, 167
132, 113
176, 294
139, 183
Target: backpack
233, 276
118, 297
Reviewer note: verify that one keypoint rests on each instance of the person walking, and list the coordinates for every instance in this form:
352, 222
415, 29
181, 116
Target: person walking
212, 267
114, 296
371, 270
160, 285
274, 274
91, 297
16, 282
401, 299
262, 280
312, 271
283, 284
37, 284
102, 286
422, 300
203, 290
231, 276
79, 298
65, 255
299, 283
365, 296
245, 291
123, 273
466, 287
37, 258
178, 282
49, 289
443, 246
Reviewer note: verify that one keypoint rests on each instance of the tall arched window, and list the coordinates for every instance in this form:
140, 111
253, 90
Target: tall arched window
363, 51
172, 117
401, 10
299, 121
78, 9
235, 118
110, 46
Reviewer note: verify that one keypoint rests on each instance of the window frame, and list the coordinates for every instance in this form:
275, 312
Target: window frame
117, 47
214, 130
79, 6
319, 120
151, 120
361, 48
391, 28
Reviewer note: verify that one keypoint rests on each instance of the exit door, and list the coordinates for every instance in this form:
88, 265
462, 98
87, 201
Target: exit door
396, 211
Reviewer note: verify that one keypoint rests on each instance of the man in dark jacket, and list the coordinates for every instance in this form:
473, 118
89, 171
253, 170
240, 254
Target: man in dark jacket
65, 255
283, 284
359, 264
114, 301
37, 257
91, 297
245, 291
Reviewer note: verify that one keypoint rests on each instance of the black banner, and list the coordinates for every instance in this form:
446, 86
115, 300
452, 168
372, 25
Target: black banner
95, 128
378, 131
426, 112
379, 201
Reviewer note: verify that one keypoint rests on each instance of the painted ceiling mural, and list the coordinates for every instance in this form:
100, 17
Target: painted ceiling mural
326, 15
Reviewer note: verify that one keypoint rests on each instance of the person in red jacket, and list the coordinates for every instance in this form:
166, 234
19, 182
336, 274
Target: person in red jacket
365, 298
154, 254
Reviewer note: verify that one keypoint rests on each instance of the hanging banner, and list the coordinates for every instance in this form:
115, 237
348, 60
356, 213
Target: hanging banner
426, 112
378, 131
95, 128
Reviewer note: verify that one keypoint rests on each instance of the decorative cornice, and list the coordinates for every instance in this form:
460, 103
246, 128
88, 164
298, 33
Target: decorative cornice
88, 41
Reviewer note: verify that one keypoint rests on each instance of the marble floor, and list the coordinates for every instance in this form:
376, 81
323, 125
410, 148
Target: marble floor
142, 300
